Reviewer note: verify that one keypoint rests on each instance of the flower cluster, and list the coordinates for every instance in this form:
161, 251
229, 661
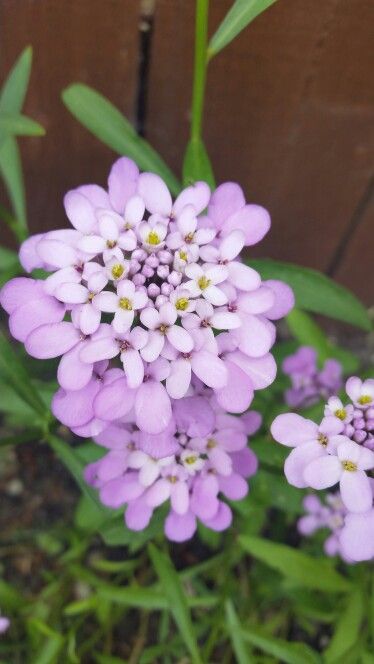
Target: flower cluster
308, 383
333, 453
4, 624
202, 454
148, 305
329, 515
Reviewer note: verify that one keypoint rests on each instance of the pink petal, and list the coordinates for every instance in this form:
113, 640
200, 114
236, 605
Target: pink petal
92, 244
253, 220
227, 199
52, 340
80, 211
210, 369
106, 301
258, 301
299, 459
56, 253
180, 497
355, 491
261, 370
114, 401
19, 291
154, 193
150, 317
179, 528
95, 194
233, 486
204, 501
197, 195
28, 256
138, 514
63, 276
232, 245
255, 337
32, 315
158, 493
323, 472
122, 183
72, 374
293, 430
89, 319
75, 408
153, 347
284, 299
99, 349
152, 407
180, 339
224, 320
215, 296
178, 382
221, 520
71, 293
242, 276
133, 367
237, 394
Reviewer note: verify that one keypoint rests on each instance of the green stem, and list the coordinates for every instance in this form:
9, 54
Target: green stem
200, 67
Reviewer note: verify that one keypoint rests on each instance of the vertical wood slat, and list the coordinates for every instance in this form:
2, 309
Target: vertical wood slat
289, 115
89, 41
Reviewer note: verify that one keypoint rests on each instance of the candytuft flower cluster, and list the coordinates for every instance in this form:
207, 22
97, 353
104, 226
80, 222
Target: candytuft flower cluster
338, 451
161, 330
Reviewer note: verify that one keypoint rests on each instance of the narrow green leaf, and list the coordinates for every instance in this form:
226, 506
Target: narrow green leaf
10, 598
347, 629
235, 633
237, 18
196, 164
16, 375
291, 653
316, 292
301, 568
19, 125
106, 122
178, 603
75, 465
11, 172
308, 333
13, 92
149, 598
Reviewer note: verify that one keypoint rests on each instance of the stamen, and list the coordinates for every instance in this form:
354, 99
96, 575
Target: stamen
172, 479
322, 439
203, 283
350, 466
111, 244
90, 297
125, 303
163, 328
182, 304
341, 413
117, 270
183, 256
188, 238
364, 399
190, 460
211, 443
153, 238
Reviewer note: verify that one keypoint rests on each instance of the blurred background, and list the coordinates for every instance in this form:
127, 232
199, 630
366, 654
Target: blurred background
289, 111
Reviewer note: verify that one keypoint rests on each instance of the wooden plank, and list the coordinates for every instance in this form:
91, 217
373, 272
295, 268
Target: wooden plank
288, 114
91, 41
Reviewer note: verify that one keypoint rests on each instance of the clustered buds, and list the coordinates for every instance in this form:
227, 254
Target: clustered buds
338, 451
308, 383
161, 330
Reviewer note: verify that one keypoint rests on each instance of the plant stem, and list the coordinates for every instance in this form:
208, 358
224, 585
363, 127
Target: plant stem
200, 67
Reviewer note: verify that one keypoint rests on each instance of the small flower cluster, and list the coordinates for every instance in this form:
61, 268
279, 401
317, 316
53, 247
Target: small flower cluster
329, 515
4, 624
333, 452
308, 383
203, 453
148, 304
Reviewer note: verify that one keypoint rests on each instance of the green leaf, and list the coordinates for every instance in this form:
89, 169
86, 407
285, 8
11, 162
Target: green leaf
296, 565
16, 375
75, 465
308, 333
196, 164
14, 90
106, 122
10, 598
271, 489
174, 592
8, 258
237, 18
315, 292
148, 598
12, 97
116, 533
291, 653
19, 125
235, 633
347, 630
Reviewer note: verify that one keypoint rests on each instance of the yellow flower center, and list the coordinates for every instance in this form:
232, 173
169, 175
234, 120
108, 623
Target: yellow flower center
172, 479
322, 439
117, 270
190, 460
364, 399
350, 466
125, 303
203, 283
182, 304
211, 443
127, 226
153, 238
90, 297
189, 237
183, 256
110, 244
341, 413
163, 328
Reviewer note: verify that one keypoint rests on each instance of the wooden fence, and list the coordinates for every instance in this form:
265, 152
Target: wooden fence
289, 111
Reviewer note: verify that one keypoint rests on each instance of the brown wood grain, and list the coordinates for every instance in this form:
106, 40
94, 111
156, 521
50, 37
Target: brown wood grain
91, 41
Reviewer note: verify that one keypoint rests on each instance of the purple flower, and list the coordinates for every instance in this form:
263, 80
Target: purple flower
309, 384
357, 536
